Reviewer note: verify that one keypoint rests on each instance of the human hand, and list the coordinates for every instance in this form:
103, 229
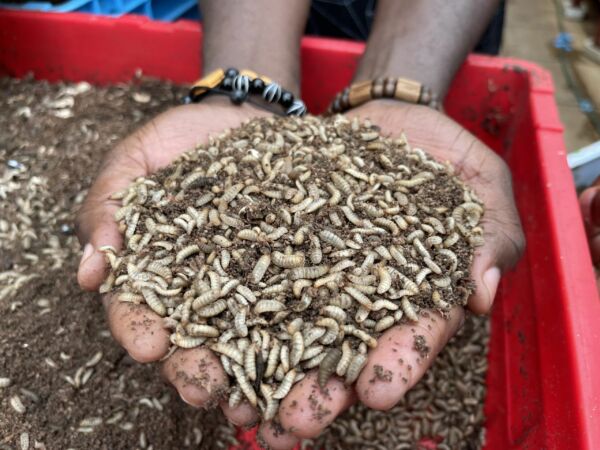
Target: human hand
484, 171
197, 373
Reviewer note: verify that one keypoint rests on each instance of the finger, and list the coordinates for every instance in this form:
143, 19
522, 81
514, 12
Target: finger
307, 410
138, 329
396, 365
197, 375
273, 436
243, 415
95, 223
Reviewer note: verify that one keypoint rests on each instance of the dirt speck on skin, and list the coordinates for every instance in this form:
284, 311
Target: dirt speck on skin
320, 412
47, 164
420, 346
381, 374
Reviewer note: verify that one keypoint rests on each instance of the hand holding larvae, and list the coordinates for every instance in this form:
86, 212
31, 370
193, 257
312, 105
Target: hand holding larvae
315, 282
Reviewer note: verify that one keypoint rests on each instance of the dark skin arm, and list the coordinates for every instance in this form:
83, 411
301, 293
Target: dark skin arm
236, 34
426, 40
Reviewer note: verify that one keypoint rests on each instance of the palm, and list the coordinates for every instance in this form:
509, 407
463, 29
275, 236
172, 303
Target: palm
476, 164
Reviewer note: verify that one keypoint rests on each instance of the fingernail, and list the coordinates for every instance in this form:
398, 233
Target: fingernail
186, 400
491, 279
88, 251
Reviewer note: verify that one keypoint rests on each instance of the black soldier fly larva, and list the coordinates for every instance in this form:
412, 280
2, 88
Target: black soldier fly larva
282, 255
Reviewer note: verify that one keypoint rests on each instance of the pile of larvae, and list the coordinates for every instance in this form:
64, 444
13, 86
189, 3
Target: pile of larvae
291, 244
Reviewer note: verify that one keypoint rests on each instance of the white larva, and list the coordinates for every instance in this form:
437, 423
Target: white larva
342, 265
154, 302
433, 266
354, 368
451, 240
315, 253
313, 362
212, 310
186, 341
277, 234
315, 205
332, 327
295, 325
384, 304
438, 301
369, 290
267, 306
361, 334
301, 206
260, 268
235, 398
421, 248
420, 277
221, 241
451, 256
383, 324
5, 382
16, 404
335, 312
24, 441
206, 298
248, 235
239, 322
331, 238
250, 362
273, 359
228, 287
311, 335
300, 235
311, 272
297, 348
299, 286
229, 351
311, 352
200, 330
340, 182
362, 280
442, 282
387, 224
286, 385
284, 357
352, 217
246, 293
409, 310
341, 254
385, 280
287, 261
359, 297
244, 384
344, 362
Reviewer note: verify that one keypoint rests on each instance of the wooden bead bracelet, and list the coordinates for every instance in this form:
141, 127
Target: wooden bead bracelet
401, 89
238, 85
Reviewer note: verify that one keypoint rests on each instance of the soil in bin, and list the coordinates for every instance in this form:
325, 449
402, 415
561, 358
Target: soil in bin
77, 387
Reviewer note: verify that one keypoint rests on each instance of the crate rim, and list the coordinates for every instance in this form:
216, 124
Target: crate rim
580, 315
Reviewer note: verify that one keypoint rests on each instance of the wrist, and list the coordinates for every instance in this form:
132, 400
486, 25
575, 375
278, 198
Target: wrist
281, 75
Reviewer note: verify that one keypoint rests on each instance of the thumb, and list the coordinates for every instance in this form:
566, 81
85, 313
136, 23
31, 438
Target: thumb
95, 224
504, 244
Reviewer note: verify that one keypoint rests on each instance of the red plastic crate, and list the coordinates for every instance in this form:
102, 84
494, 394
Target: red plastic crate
544, 376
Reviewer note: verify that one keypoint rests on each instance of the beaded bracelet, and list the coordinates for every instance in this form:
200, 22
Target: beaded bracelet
393, 88
238, 85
